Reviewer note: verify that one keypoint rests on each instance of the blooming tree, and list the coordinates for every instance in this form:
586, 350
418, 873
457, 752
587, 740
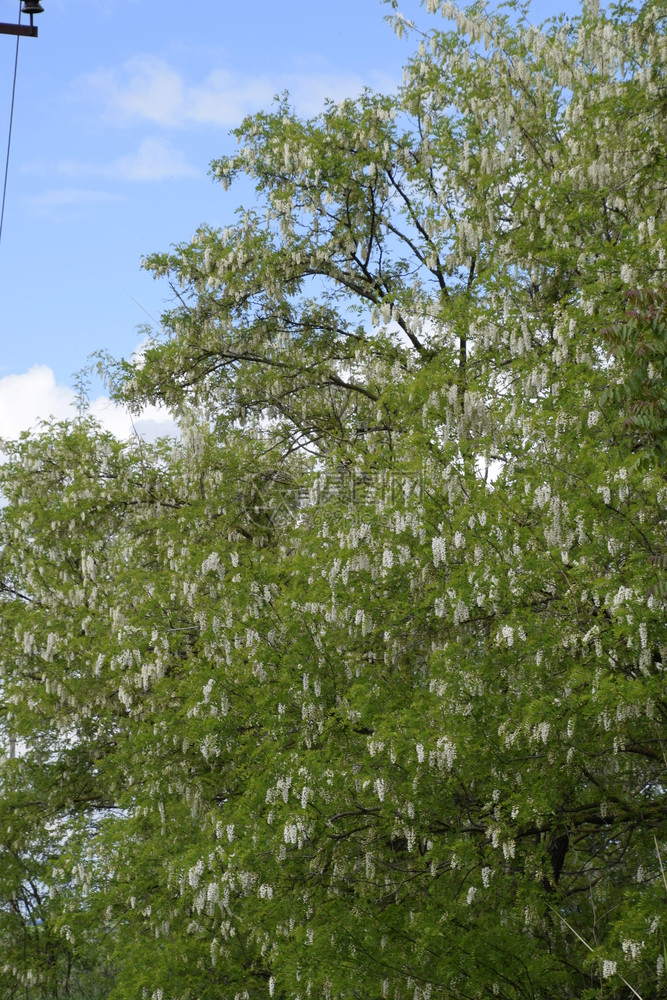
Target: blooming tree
358, 689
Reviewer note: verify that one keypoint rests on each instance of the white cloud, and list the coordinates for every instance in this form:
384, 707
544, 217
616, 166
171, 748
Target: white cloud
152, 423
63, 202
35, 395
223, 99
147, 88
309, 91
24, 399
154, 160
71, 196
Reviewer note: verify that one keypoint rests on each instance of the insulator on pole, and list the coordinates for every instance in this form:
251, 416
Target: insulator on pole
30, 7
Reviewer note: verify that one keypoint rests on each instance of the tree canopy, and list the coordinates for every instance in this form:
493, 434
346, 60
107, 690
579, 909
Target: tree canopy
357, 688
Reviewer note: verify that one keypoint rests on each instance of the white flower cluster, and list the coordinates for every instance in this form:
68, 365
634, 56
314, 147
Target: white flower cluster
542, 731
196, 873
509, 849
212, 564
461, 613
444, 754
608, 968
283, 785
542, 495
632, 949
290, 833
439, 551
507, 633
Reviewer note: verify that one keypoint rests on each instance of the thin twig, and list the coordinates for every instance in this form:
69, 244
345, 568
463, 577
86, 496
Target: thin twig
660, 860
576, 934
586, 944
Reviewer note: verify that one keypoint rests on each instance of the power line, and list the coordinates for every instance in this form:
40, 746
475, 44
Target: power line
9, 136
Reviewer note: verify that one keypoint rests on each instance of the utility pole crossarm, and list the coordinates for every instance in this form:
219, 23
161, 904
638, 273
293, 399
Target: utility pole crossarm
18, 29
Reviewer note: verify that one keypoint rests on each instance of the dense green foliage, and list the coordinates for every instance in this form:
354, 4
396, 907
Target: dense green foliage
358, 688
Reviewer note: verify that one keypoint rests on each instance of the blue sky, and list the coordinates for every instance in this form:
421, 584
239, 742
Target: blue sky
120, 106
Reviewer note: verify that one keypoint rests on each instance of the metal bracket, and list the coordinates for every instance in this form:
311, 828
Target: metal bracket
18, 29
